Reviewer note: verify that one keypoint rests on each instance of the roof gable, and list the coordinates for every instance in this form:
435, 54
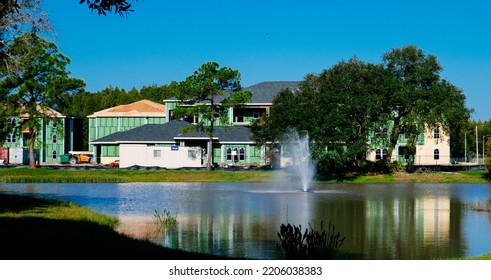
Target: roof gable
142, 108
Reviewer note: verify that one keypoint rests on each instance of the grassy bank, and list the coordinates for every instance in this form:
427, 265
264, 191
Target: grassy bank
45, 175
32, 229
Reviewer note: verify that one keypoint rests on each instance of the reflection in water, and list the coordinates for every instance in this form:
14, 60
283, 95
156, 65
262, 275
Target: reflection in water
379, 221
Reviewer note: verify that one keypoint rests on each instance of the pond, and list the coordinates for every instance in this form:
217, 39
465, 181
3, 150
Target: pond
379, 221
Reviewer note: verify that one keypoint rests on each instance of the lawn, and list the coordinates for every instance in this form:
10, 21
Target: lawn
46, 175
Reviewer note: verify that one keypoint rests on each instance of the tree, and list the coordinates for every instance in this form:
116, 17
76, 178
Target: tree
337, 108
16, 18
207, 94
42, 82
422, 99
121, 7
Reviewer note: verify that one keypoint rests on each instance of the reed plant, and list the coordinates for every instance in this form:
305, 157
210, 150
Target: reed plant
312, 244
165, 219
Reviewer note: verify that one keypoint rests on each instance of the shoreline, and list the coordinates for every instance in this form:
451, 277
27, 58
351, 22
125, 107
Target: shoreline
45, 175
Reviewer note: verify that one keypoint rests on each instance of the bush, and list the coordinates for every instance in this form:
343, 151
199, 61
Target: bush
312, 244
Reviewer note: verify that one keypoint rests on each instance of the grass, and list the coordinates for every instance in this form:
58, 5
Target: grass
44, 175
33, 229
461, 177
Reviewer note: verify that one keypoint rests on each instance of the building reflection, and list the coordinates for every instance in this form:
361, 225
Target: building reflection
390, 227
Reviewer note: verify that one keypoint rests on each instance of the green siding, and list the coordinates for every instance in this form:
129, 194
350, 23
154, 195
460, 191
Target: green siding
110, 151
44, 141
103, 126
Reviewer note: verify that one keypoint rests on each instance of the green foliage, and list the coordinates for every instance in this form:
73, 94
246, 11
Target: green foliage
421, 96
207, 94
342, 106
312, 244
40, 83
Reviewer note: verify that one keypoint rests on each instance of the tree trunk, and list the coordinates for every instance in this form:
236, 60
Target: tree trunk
209, 165
32, 137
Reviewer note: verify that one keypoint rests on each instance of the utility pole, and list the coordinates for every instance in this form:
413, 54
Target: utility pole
477, 148
483, 155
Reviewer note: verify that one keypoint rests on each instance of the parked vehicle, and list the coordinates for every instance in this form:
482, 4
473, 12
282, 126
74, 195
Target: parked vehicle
80, 157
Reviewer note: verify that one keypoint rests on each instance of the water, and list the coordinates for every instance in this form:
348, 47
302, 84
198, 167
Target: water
301, 158
379, 221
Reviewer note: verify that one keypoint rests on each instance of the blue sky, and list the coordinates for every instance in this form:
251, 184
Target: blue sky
272, 40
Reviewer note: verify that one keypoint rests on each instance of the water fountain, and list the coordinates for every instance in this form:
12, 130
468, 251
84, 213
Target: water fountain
301, 158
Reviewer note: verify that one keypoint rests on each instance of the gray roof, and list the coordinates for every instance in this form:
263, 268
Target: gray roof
146, 133
166, 133
264, 92
223, 134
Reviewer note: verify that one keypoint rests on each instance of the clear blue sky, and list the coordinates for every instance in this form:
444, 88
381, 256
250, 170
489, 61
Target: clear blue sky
272, 40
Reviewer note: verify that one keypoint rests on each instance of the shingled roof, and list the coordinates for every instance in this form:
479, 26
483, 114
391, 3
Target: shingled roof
142, 108
172, 131
265, 92
262, 93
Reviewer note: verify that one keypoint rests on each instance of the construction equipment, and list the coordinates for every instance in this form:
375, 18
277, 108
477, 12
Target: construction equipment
80, 157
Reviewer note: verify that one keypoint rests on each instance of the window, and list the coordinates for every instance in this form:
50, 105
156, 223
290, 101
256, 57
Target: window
54, 139
235, 154
255, 113
157, 153
54, 155
382, 132
55, 123
380, 154
242, 154
384, 153
192, 154
231, 154
11, 138
436, 154
11, 120
436, 133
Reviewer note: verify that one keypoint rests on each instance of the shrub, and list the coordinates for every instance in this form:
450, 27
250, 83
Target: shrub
312, 244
